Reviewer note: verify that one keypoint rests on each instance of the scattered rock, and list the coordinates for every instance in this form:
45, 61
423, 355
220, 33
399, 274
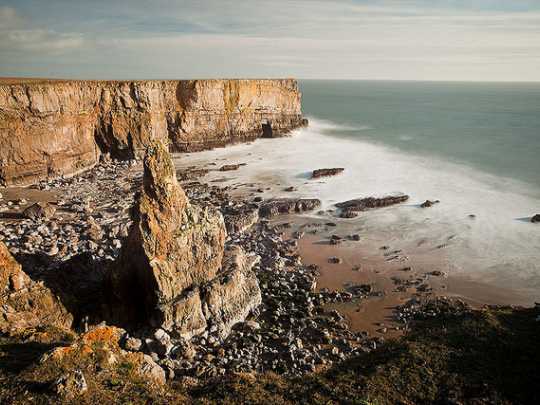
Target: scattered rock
335, 260
70, 385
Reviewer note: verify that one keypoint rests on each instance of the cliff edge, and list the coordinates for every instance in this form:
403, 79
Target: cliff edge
60, 128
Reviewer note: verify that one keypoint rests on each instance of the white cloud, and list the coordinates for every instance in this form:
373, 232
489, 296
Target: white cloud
15, 35
309, 39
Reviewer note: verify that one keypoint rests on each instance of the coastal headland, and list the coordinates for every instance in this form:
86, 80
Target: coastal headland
132, 269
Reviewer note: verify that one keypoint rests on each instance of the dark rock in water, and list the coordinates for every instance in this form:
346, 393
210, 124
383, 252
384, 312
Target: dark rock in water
348, 214
326, 172
472, 216
290, 189
39, 210
362, 204
272, 208
227, 168
429, 203
535, 218
304, 122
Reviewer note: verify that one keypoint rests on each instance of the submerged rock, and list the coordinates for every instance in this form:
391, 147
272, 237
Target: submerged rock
326, 172
272, 208
362, 204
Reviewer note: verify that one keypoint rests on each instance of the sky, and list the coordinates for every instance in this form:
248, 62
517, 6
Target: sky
474, 40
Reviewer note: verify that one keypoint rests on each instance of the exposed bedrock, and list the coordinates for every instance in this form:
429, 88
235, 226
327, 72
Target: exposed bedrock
54, 128
25, 303
171, 273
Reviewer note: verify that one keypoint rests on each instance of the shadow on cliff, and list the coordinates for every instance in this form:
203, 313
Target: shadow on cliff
80, 283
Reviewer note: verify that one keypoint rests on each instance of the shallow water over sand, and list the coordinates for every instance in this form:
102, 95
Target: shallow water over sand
498, 247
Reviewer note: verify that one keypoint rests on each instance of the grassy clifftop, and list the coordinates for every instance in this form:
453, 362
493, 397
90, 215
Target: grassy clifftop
473, 357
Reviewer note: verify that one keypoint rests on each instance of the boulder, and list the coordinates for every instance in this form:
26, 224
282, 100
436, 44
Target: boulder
25, 303
272, 208
326, 172
40, 210
535, 218
362, 204
172, 247
429, 203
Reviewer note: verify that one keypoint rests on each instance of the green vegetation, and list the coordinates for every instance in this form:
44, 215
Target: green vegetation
477, 357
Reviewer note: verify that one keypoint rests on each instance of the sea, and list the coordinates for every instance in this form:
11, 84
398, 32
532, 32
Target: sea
475, 147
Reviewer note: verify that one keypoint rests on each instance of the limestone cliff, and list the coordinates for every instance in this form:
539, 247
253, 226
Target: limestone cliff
54, 128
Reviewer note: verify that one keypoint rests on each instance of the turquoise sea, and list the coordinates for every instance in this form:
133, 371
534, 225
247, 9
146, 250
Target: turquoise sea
493, 127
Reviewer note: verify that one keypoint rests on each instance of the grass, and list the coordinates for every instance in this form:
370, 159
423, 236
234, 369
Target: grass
477, 357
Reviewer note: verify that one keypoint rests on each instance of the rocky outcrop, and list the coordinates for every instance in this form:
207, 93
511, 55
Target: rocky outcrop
429, 203
25, 303
362, 204
60, 128
326, 172
234, 293
99, 346
272, 208
240, 219
171, 272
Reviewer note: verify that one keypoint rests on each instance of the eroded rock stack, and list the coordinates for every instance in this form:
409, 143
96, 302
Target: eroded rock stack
170, 273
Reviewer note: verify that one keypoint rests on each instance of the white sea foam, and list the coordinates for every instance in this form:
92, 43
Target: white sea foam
500, 245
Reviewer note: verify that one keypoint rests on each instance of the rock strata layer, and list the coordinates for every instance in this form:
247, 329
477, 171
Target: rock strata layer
167, 274
60, 128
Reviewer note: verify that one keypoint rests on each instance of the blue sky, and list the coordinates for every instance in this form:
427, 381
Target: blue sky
341, 39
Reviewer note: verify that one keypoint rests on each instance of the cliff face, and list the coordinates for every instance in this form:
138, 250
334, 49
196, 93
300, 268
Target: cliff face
49, 129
